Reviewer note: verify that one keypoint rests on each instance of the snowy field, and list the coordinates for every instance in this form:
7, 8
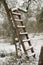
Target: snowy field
9, 50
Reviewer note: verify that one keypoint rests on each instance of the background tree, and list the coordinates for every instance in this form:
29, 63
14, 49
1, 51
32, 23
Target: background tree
40, 21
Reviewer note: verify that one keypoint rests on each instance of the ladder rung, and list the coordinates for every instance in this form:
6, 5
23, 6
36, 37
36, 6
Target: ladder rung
19, 20
14, 9
26, 40
14, 13
20, 26
23, 33
23, 10
29, 48
32, 54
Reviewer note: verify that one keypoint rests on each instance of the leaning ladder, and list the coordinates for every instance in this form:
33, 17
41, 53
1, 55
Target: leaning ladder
16, 21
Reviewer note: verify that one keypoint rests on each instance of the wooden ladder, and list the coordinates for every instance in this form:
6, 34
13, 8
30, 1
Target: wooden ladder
16, 21
21, 31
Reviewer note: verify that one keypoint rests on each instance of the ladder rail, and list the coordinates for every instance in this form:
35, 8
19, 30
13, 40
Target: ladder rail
26, 35
10, 15
9, 18
18, 32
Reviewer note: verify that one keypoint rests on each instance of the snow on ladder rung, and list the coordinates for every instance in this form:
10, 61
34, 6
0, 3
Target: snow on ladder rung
23, 33
32, 54
14, 9
26, 40
14, 13
19, 20
20, 26
29, 48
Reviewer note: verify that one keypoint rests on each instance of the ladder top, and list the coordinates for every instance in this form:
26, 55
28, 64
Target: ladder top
14, 9
20, 9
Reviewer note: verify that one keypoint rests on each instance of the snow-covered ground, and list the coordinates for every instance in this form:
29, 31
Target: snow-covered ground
6, 48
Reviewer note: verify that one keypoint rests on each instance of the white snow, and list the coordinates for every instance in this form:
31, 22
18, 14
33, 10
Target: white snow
37, 42
19, 3
7, 48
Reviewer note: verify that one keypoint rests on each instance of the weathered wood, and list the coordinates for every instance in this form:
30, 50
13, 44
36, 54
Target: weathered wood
14, 9
26, 40
19, 20
19, 36
20, 26
11, 17
29, 48
14, 13
23, 33
32, 50
23, 10
41, 57
32, 54
12, 28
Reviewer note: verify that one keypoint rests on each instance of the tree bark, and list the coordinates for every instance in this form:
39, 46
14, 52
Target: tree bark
41, 57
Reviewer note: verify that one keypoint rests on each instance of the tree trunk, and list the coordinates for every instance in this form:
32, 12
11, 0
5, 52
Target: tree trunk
41, 57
